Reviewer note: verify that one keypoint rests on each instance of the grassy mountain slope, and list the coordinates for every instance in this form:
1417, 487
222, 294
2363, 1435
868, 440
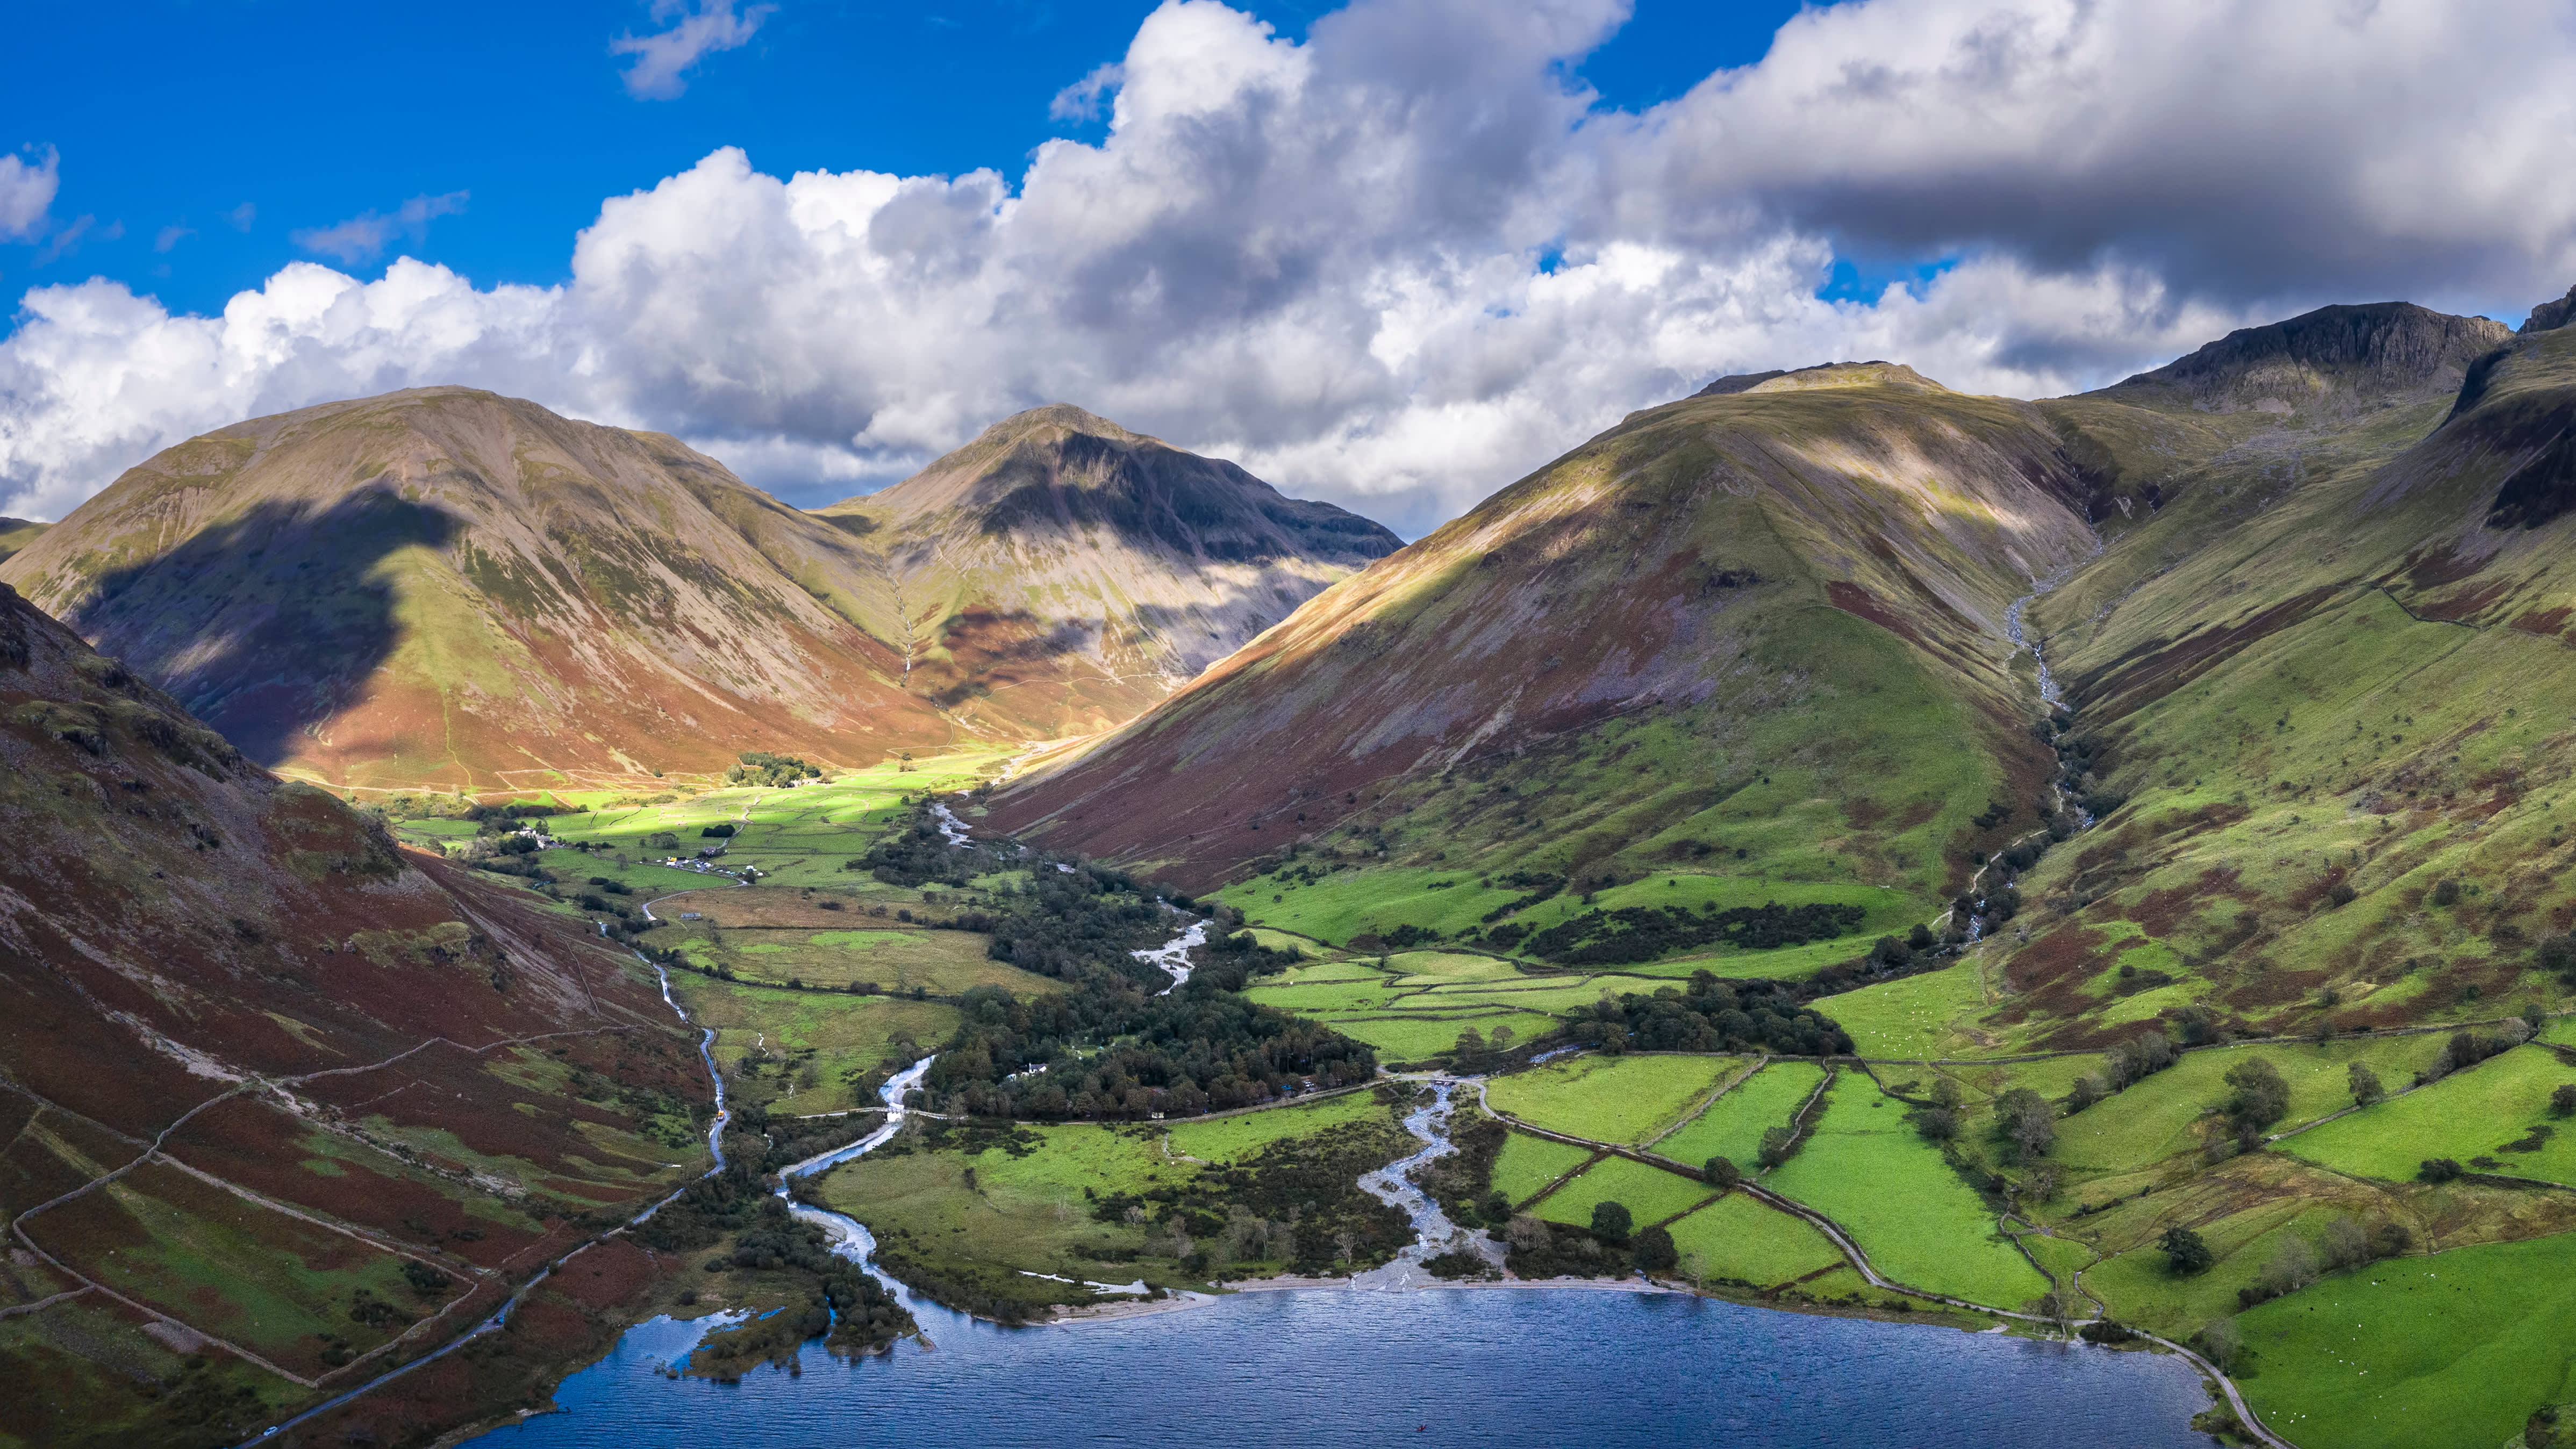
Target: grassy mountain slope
2356, 689
16, 534
449, 587
285, 1106
1761, 630
1059, 573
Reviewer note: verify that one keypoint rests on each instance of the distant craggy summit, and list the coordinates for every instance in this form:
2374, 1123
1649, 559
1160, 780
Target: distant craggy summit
447, 587
1060, 573
2341, 359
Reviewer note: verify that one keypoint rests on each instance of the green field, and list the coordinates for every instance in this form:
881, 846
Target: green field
1227, 1138
2140, 1286
2450, 1351
2156, 1118
993, 1213
1918, 1222
845, 1036
2465, 1116
1732, 1126
1649, 1193
1422, 1036
1622, 1099
1917, 1016
1737, 1237
1528, 1164
1361, 901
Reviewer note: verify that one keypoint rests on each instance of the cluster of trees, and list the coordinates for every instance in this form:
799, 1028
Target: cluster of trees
918, 855
2123, 1066
1537, 1248
759, 767
1296, 1203
1076, 925
1709, 1015
2343, 1243
1644, 933
1228, 962
1199, 1049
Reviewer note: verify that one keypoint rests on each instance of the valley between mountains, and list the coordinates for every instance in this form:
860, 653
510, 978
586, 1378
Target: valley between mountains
2090, 867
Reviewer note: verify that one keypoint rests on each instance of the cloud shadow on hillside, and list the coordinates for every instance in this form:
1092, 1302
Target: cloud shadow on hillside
288, 596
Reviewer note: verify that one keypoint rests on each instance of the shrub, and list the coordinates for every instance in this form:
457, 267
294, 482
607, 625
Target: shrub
2562, 1100
2438, 1169
1722, 1174
1654, 1251
1777, 1144
2446, 893
2341, 894
2262, 1097
2024, 1119
2185, 1251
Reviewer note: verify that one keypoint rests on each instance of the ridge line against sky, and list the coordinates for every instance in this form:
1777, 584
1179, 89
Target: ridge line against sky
1393, 258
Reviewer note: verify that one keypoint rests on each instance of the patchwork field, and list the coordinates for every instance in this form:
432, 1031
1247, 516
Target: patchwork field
2494, 1117
1650, 1194
1624, 1099
1528, 1164
2451, 1351
1733, 1125
1737, 1237
1909, 1211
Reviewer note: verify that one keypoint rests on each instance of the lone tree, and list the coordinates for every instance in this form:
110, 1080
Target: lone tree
2184, 1251
2024, 1119
1654, 1251
1722, 1173
2262, 1098
1776, 1145
2221, 1340
2366, 1088
2562, 1101
1611, 1222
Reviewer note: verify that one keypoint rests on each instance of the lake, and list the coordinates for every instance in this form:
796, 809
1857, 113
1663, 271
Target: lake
1443, 1367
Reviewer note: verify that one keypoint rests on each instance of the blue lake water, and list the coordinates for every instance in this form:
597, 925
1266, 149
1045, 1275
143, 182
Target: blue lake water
1439, 1368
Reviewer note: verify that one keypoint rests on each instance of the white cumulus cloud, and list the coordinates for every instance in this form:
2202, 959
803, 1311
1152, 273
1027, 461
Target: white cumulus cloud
1405, 260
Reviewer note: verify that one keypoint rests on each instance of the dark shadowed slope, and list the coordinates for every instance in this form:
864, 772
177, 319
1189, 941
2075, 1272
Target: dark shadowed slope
322, 1074
1060, 573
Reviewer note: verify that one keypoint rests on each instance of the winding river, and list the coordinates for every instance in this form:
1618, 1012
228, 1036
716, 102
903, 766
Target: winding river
1514, 1367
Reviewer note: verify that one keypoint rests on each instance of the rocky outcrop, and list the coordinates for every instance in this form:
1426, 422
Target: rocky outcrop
2550, 316
2335, 360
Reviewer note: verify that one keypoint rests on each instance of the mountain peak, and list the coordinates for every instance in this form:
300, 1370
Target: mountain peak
2339, 359
1824, 374
1066, 416
2550, 316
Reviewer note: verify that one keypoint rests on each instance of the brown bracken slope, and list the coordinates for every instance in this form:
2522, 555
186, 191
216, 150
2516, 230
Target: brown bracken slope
283, 1106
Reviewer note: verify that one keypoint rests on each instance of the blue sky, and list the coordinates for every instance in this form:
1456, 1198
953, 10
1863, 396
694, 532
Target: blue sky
168, 119
1390, 253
